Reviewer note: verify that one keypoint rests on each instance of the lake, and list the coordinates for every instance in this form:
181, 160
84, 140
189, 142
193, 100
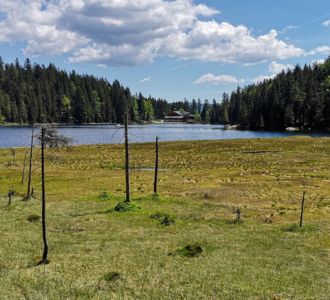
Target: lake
112, 134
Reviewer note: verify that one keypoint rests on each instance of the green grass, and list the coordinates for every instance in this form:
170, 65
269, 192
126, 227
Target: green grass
98, 253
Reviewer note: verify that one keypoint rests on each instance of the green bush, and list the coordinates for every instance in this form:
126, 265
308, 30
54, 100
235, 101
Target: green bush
112, 276
104, 195
126, 206
33, 218
193, 250
164, 219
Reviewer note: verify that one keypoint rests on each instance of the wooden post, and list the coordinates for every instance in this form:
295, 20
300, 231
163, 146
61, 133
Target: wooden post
238, 214
10, 194
127, 160
28, 194
302, 209
43, 199
156, 167
24, 165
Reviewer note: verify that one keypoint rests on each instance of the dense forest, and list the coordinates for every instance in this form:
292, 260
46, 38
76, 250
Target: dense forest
295, 98
35, 93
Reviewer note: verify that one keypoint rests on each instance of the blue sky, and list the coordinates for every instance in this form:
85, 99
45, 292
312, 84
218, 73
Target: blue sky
170, 49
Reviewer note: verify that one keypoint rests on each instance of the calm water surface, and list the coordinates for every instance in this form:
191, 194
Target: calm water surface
112, 134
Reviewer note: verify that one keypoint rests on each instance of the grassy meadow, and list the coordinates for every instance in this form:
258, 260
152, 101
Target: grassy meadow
97, 253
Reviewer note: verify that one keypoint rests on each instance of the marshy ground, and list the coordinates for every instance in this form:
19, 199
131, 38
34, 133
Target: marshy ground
97, 253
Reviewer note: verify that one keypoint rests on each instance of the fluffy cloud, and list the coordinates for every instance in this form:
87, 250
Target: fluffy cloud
276, 67
220, 79
318, 61
128, 32
319, 50
326, 23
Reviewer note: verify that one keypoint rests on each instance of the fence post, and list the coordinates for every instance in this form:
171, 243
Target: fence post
156, 167
127, 160
302, 209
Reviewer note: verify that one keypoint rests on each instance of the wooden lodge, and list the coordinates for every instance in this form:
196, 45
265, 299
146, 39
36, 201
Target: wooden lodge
176, 116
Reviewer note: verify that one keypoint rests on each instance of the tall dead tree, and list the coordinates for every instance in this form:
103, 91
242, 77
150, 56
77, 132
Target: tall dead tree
43, 199
28, 193
156, 167
127, 160
49, 138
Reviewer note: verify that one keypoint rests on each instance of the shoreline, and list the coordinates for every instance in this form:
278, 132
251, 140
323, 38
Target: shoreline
207, 141
230, 128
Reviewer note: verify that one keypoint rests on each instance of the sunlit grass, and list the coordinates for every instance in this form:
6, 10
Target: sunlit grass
96, 252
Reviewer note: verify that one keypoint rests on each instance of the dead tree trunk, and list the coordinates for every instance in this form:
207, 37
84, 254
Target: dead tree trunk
10, 195
43, 199
156, 167
28, 194
24, 165
127, 160
302, 210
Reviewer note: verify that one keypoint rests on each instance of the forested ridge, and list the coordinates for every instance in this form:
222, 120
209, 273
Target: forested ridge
36, 93
295, 98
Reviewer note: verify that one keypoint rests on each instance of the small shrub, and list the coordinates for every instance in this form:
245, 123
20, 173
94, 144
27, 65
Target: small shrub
104, 195
126, 206
164, 219
193, 250
33, 218
155, 196
167, 221
112, 276
158, 216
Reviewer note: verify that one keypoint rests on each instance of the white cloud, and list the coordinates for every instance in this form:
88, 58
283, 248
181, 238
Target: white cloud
129, 32
276, 67
147, 79
217, 79
326, 23
102, 66
288, 28
223, 42
318, 61
319, 50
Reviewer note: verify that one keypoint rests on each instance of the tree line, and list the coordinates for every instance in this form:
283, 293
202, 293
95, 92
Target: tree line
38, 94
294, 98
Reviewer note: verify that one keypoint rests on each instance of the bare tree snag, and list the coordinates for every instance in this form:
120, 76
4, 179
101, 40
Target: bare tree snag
43, 199
156, 167
127, 160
